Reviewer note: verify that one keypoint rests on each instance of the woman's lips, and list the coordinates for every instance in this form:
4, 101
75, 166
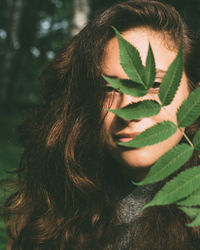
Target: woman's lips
125, 137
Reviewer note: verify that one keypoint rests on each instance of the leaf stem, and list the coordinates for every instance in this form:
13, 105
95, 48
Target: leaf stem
187, 138
182, 131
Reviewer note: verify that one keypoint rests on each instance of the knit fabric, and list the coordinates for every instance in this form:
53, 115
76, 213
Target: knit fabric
129, 210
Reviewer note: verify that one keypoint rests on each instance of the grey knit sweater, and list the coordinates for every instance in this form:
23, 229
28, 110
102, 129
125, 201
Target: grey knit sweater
129, 210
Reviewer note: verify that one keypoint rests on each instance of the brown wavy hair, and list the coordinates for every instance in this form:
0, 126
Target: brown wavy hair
67, 186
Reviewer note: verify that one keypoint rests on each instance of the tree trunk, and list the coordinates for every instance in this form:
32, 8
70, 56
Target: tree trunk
81, 11
12, 45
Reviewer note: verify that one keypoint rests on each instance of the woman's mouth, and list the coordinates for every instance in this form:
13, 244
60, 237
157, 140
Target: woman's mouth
125, 137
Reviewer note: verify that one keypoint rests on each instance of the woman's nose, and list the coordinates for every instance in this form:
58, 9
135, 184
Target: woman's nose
127, 99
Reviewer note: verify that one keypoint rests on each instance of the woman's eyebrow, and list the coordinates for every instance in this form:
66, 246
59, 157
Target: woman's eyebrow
158, 72
110, 76
115, 77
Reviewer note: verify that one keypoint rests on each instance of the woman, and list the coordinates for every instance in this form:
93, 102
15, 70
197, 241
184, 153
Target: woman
74, 187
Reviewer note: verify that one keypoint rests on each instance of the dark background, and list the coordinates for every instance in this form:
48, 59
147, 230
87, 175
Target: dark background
31, 33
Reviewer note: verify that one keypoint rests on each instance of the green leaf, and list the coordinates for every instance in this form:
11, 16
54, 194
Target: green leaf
192, 200
130, 59
196, 140
126, 86
171, 79
152, 135
192, 212
149, 71
168, 163
138, 110
190, 109
178, 188
195, 223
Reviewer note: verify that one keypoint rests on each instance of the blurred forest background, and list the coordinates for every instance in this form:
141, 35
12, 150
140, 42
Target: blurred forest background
31, 33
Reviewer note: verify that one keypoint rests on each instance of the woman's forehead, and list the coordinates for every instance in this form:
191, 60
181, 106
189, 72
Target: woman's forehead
140, 38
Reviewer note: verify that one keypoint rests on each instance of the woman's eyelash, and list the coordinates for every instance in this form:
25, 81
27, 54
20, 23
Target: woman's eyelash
110, 89
156, 85
155, 88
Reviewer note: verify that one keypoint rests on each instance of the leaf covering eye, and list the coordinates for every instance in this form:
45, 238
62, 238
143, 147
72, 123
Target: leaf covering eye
156, 85
183, 189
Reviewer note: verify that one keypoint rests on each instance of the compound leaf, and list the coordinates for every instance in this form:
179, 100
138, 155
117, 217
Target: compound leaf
196, 140
138, 110
191, 212
178, 188
168, 163
149, 71
130, 59
192, 200
126, 86
190, 109
196, 222
184, 189
171, 79
152, 135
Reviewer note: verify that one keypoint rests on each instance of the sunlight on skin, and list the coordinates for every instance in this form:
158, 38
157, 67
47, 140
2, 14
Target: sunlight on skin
120, 130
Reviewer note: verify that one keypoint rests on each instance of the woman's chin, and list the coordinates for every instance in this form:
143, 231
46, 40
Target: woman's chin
136, 158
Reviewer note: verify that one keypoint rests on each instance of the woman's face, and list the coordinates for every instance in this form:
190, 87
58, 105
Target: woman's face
119, 130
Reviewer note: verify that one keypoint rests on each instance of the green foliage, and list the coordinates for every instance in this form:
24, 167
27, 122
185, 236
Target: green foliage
126, 86
196, 222
183, 189
132, 64
190, 109
171, 79
163, 130
192, 200
178, 188
130, 60
191, 212
9, 159
168, 163
196, 140
138, 110
149, 71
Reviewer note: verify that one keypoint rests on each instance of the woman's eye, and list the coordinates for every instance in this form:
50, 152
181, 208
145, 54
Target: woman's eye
155, 88
156, 85
110, 89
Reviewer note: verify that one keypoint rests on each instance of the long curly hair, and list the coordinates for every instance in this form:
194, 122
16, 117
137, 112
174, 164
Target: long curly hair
68, 186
